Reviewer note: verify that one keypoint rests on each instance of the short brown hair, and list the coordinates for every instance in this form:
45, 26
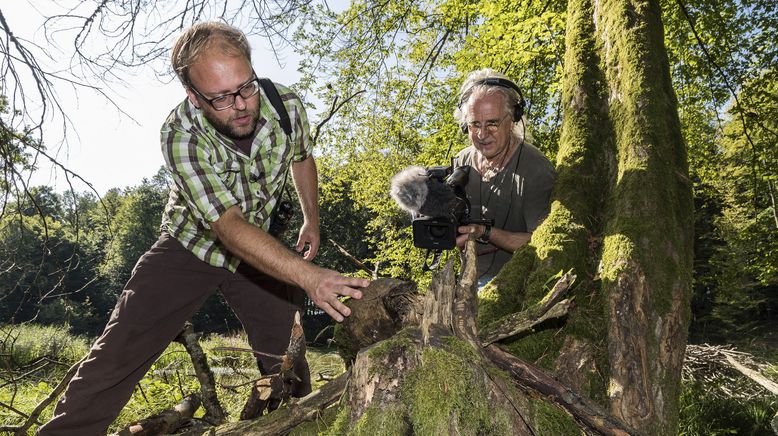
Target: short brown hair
201, 36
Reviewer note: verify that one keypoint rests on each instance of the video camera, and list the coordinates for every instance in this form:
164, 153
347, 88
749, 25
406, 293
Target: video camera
436, 198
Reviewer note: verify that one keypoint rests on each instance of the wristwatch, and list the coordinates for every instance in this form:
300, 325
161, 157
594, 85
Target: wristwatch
484, 238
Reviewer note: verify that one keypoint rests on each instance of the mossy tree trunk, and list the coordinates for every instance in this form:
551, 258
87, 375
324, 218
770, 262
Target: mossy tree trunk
621, 219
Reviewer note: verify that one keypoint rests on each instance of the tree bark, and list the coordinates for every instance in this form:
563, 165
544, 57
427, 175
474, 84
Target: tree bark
647, 246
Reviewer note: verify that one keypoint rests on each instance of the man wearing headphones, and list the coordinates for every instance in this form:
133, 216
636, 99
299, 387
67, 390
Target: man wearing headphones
510, 180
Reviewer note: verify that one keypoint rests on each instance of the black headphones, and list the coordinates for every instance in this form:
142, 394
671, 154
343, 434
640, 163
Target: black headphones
518, 108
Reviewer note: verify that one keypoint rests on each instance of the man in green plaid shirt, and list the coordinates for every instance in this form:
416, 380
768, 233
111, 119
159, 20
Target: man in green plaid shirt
228, 157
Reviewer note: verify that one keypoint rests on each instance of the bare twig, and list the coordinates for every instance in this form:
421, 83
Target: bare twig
350, 257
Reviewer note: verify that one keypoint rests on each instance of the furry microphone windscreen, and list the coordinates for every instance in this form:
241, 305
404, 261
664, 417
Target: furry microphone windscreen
416, 192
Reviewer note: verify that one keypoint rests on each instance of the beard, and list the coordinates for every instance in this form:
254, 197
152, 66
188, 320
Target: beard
230, 130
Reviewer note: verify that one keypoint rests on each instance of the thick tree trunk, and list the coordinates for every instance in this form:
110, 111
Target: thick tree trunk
647, 248
621, 219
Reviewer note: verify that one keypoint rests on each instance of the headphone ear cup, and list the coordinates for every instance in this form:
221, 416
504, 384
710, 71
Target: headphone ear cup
518, 111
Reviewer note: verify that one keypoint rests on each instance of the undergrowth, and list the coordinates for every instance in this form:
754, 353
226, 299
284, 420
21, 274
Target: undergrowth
34, 358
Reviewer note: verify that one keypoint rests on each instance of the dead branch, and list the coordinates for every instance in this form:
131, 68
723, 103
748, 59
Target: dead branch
547, 308
269, 392
729, 373
534, 379
753, 375
165, 422
32, 418
214, 413
351, 257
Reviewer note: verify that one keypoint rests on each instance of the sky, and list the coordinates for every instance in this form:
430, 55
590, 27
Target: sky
105, 147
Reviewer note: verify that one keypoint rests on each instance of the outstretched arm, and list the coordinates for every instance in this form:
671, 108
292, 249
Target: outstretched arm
265, 253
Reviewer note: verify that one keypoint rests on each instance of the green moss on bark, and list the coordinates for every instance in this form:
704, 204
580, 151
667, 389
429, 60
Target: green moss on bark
389, 420
450, 388
342, 423
553, 421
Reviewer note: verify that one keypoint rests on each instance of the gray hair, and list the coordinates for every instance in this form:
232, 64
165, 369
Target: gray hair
471, 88
194, 41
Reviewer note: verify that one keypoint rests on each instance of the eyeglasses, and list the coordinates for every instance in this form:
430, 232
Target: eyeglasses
226, 101
491, 126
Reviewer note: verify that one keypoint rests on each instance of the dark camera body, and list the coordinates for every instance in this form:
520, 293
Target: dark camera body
440, 232
435, 232
279, 221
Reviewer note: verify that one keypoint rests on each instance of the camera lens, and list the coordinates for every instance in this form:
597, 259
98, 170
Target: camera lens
437, 231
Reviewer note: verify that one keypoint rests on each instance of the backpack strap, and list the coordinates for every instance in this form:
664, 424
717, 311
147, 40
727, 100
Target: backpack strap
275, 99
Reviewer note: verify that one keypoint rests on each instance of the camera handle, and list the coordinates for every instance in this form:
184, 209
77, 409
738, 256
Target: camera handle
483, 222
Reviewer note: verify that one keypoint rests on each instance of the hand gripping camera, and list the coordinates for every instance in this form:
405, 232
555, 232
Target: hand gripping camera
436, 198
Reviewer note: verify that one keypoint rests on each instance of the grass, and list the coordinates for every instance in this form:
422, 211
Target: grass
167, 382
704, 414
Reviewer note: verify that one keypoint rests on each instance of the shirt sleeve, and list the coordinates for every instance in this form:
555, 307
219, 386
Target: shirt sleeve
187, 155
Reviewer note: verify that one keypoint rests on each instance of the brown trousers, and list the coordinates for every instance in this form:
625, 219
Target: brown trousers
168, 285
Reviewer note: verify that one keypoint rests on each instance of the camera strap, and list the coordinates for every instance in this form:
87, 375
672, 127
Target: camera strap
283, 119
435, 260
275, 100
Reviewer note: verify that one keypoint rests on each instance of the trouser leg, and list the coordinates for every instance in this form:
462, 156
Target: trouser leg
266, 308
167, 286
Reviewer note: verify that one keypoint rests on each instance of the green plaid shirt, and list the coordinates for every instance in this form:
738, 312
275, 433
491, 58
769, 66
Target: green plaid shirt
210, 173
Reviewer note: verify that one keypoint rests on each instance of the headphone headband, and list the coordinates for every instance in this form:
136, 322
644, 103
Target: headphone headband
498, 81
518, 109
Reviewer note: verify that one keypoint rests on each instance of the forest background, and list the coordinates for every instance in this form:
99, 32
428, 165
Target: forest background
384, 78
